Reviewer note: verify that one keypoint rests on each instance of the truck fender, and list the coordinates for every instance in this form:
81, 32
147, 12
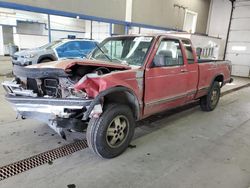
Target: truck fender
133, 101
219, 78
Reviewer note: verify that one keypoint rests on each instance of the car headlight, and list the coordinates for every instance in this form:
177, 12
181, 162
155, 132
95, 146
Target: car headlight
29, 56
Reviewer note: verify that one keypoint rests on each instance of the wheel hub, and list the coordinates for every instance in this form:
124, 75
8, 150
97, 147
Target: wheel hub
117, 131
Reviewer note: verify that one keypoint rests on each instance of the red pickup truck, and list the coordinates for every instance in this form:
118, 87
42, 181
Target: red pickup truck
125, 79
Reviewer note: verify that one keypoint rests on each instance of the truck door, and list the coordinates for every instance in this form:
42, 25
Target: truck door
192, 69
165, 78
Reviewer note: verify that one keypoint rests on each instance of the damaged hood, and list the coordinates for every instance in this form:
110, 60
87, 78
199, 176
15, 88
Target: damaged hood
61, 68
66, 64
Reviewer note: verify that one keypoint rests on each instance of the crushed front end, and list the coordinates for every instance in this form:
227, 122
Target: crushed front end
64, 94
48, 95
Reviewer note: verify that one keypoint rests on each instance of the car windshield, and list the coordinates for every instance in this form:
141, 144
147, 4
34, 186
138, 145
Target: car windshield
130, 50
50, 45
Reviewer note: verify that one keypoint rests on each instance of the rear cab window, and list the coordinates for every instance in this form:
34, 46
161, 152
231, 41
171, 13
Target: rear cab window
189, 51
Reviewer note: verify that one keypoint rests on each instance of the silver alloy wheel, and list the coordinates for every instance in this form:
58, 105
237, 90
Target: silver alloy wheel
214, 97
117, 131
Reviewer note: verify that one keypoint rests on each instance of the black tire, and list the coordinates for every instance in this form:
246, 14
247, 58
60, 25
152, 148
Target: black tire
98, 136
210, 101
46, 60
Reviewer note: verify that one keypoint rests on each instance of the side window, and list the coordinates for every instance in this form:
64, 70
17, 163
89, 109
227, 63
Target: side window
189, 51
72, 46
168, 54
86, 45
69, 49
68, 46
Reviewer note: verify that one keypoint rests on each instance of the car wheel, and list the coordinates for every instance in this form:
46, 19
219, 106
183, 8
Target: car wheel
45, 60
210, 101
110, 134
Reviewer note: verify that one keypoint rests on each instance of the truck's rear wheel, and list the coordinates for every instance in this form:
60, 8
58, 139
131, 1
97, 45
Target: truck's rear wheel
210, 101
110, 134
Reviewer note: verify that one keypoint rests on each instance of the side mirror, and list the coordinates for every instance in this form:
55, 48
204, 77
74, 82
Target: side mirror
198, 52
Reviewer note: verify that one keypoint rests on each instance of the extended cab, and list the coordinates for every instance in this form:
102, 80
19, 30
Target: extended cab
125, 79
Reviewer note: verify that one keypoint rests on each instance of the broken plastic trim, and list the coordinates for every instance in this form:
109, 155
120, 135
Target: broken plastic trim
98, 98
38, 72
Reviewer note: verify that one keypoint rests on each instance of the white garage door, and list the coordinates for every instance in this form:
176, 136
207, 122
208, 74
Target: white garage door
238, 50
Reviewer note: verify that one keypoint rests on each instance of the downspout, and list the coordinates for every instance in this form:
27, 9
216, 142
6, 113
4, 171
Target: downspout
49, 28
111, 29
229, 26
91, 29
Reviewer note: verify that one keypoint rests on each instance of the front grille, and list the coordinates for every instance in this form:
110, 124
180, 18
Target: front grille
50, 83
51, 87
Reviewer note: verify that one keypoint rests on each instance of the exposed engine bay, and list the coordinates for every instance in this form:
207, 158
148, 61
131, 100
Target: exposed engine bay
58, 85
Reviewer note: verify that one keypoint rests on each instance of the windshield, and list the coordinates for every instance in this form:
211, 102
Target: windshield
50, 45
126, 50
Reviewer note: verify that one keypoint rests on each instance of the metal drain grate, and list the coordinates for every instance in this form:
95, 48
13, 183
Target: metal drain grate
42, 158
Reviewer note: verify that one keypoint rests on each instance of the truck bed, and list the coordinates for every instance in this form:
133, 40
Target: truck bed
209, 61
208, 70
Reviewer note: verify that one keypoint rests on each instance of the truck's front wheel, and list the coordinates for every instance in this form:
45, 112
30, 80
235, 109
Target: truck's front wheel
110, 134
210, 101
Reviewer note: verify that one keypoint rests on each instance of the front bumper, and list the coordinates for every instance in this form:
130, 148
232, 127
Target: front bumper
46, 108
54, 112
27, 103
16, 60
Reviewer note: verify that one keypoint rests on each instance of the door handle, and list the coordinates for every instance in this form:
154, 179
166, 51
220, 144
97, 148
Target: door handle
184, 70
